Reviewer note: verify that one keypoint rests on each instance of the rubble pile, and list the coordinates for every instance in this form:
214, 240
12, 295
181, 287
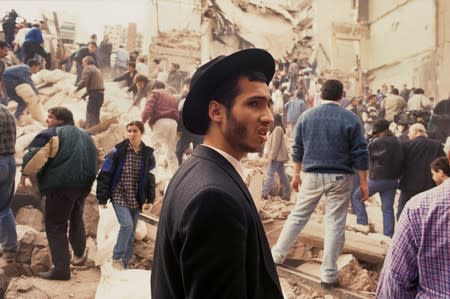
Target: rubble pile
179, 46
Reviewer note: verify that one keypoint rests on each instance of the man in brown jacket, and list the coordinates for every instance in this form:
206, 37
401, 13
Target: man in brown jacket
161, 113
92, 79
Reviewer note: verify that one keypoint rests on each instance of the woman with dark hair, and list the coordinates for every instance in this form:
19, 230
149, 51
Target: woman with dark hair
277, 153
440, 170
125, 179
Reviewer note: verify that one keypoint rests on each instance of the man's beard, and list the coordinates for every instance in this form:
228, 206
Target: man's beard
236, 135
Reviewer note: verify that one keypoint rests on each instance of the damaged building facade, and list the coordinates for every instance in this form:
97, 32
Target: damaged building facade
391, 42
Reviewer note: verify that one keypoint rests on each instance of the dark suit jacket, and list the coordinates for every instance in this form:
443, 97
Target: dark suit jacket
210, 241
417, 157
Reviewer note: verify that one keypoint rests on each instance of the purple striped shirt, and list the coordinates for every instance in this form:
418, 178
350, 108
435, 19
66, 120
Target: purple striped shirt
418, 261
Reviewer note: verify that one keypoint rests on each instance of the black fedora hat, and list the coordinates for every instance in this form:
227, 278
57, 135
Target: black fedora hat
210, 75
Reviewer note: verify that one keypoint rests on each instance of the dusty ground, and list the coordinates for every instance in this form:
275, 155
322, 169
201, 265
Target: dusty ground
82, 285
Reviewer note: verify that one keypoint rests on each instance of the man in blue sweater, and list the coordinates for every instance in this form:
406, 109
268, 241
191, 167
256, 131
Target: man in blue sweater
329, 145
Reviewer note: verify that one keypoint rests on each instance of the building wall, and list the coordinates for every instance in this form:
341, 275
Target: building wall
398, 31
340, 52
409, 44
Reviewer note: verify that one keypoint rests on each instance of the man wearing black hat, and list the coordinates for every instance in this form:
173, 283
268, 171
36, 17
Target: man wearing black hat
385, 166
210, 241
329, 145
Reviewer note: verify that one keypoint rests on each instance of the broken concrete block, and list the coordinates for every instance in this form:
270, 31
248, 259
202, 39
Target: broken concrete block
24, 286
40, 260
288, 292
30, 216
91, 216
143, 250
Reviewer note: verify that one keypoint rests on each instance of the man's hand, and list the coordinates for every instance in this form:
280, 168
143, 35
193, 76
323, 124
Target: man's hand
147, 206
22, 182
364, 189
296, 182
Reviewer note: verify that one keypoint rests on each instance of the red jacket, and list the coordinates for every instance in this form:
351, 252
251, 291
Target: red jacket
160, 104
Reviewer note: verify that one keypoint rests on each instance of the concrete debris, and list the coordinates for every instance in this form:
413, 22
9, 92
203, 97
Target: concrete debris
288, 292
30, 216
352, 276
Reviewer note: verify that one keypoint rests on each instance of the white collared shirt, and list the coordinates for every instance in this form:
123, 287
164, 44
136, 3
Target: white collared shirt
329, 102
233, 161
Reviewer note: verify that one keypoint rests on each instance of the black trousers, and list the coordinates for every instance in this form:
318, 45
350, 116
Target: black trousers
30, 49
405, 196
94, 104
64, 209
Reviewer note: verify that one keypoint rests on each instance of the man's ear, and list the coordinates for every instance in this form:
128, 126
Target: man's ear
216, 111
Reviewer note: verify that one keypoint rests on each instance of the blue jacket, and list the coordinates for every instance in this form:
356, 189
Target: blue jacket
330, 139
34, 36
16, 75
109, 175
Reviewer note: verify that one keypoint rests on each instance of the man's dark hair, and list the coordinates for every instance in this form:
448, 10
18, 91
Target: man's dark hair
395, 91
159, 85
372, 96
33, 62
227, 92
276, 84
156, 61
89, 60
419, 91
3, 44
332, 90
175, 65
92, 43
441, 163
63, 114
140, 78
138, 124
300, 94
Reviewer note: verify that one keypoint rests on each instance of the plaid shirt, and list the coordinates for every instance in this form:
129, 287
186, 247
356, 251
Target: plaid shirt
7, 132
126, 190
418, 262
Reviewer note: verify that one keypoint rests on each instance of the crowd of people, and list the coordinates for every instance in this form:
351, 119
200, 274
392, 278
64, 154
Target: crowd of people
344, 149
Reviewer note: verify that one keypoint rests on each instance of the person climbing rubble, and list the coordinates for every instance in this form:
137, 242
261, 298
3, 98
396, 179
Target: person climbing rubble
21, 89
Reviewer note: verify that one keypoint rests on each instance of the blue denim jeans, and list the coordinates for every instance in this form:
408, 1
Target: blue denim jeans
8, 234
336, 189
127, 218
278, 167
387, 189
21, 105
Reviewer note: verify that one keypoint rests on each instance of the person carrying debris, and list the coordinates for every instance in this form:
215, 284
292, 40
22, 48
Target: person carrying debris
128, 77
21, 89
161, 113
417, 264
64, 158
33, 45
210, 241
8, 234
126, 180
92, 79
83, 52
329, 144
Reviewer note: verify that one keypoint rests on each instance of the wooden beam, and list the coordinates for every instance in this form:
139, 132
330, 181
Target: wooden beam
361, 246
